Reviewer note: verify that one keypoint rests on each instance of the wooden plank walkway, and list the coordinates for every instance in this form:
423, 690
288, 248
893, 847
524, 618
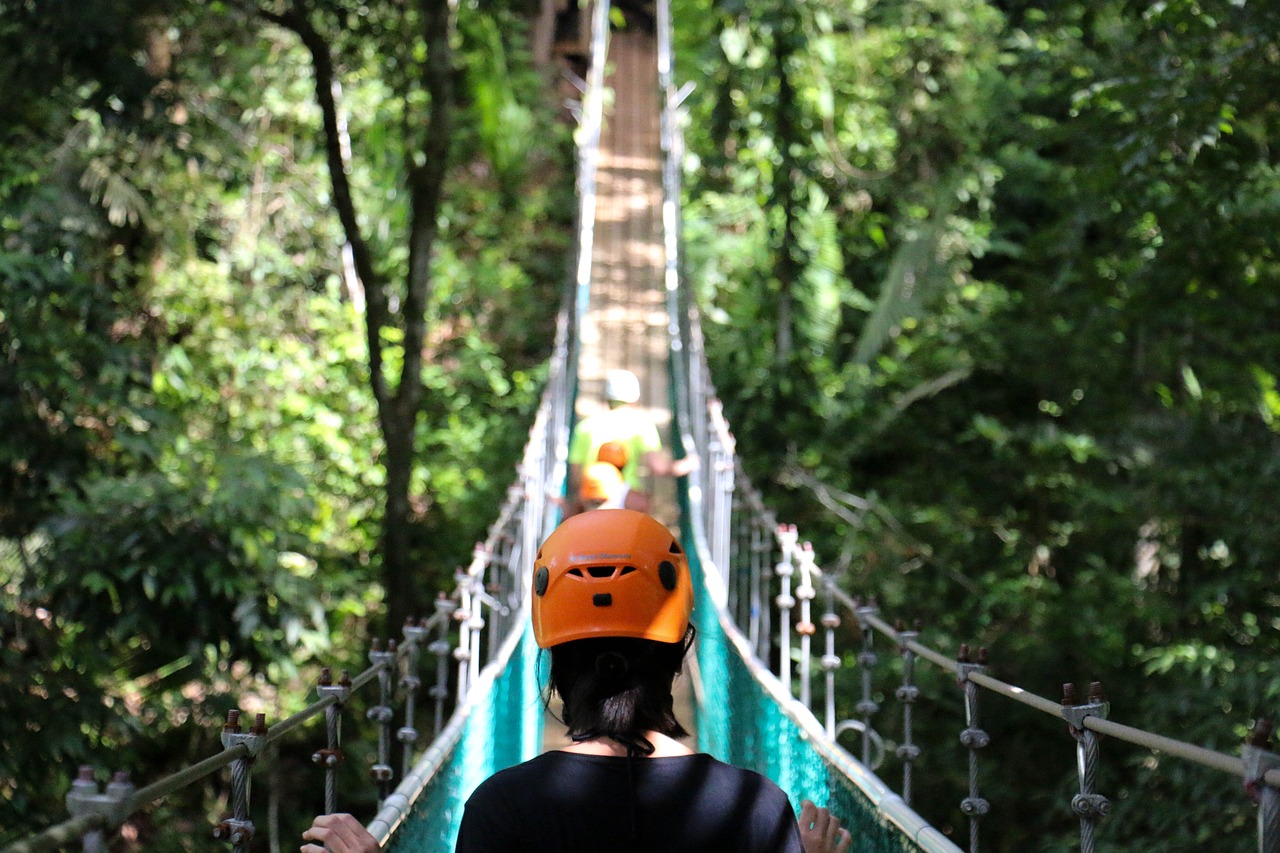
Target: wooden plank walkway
626, 323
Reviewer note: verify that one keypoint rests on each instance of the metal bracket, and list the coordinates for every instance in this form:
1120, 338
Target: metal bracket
114, 803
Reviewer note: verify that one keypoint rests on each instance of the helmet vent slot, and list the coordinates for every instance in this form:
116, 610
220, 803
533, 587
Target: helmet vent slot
602, 571
675, 547
626, 570
577, 573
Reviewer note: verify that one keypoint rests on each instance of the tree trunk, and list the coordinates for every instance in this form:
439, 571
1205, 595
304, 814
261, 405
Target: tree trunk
398, 405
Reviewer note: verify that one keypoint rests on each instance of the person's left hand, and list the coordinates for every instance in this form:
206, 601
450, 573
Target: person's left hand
821, 832
338, 833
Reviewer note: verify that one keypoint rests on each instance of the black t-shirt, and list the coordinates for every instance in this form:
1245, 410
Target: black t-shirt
562, 802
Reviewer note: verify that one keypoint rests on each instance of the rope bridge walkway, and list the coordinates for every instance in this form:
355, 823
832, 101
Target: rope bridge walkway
761, 689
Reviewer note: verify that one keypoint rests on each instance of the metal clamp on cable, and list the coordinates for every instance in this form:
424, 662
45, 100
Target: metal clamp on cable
114, 804
1258, 758
236, 832
1089, 805
253, 740
1075, 713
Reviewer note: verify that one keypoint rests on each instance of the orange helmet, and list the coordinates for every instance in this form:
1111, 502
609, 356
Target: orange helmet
611, 573
600, 482
613, 452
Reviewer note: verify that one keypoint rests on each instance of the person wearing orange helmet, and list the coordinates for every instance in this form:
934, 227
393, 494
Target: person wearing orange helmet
611, 602
603, 488
612, 597
629, 428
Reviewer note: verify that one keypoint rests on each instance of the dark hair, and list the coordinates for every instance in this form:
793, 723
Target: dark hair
619, 688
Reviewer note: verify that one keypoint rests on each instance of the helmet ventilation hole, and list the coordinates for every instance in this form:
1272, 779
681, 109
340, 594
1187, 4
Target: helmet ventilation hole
667, 574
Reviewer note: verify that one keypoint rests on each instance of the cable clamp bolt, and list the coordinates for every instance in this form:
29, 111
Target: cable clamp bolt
964, 665
237, 832
830, 663
341, 690
381, 773
865, 612
974, 806
407, 734
1090, 805
379, 713
974, 738
1257, 757
327, 758
253, 740
114, 803
1075, 713
907, 693
908, 752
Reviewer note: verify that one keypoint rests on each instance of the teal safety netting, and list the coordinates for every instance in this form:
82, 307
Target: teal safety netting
742, 722
500, 726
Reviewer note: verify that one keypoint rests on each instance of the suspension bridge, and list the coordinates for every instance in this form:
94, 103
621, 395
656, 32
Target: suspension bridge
458, 697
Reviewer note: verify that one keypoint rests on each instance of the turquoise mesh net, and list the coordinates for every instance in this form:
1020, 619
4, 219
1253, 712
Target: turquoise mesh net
740, 723
503, 728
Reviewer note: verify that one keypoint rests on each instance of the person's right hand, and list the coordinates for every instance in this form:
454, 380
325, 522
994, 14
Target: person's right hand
821, 832
338, 833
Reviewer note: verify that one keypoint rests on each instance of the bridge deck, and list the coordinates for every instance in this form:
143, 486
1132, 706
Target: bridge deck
626, 323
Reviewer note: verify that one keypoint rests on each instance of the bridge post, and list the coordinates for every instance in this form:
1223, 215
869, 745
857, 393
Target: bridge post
806, 592
830, 660
867, 660
907, 694
787, 537
1258, 759
973, 738
1089, 805
331, 756
238, 829
407, 734
761, 548
381, 714
440, 648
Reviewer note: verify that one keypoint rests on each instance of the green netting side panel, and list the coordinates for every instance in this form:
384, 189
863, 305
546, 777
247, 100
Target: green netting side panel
504, 728
742, 724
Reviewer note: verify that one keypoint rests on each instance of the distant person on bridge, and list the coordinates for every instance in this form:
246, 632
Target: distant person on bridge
612, 597
604, 488
624, 424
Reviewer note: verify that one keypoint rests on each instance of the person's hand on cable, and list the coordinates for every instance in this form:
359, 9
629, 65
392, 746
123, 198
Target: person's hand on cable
338, 833
821, 832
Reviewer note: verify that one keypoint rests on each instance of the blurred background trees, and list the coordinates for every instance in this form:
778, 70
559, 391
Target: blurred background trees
195, 448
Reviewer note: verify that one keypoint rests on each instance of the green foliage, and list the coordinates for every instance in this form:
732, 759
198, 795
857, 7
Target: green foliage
191, 468
1042, 395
